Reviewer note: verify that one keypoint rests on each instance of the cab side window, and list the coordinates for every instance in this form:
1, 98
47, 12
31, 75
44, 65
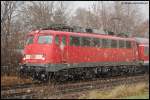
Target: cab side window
121, 44
86, 41
128, 44
74, 41
57, 39
64, 40
96, 42
105, 43
113, 43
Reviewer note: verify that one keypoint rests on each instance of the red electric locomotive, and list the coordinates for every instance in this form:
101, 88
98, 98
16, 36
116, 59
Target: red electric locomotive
63, 55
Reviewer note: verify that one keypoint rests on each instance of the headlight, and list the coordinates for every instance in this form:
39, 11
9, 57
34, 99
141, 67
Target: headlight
38, 56
26, 57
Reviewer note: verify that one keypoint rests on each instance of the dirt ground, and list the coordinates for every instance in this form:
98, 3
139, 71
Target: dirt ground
11, 80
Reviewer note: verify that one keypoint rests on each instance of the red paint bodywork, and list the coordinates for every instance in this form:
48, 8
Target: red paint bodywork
77, 54
142, 44
142, 55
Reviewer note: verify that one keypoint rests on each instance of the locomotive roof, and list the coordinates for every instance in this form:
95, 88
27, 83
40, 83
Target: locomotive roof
79, 34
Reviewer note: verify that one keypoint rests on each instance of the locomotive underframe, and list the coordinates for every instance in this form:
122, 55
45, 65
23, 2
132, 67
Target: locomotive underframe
84, 70
58, 67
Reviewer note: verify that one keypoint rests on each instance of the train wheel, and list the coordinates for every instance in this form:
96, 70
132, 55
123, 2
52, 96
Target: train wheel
89, 74
22, 74
51, 77
34, 76
44, 76
61, 76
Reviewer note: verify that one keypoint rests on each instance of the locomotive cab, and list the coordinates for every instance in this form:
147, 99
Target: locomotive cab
36, 48
42, 53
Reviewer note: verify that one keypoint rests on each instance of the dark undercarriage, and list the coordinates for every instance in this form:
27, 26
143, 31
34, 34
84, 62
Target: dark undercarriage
76, 71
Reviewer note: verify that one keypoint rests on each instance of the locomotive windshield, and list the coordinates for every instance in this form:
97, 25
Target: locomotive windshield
29, 40
47, 39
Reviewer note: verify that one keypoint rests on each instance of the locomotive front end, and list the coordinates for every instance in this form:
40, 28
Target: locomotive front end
37, 56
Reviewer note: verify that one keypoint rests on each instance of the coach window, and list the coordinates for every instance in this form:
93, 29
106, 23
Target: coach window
114, 43
56, 39
128, 44
85, 41
30, 40
105, 43
74, 41
121, 44
96, 42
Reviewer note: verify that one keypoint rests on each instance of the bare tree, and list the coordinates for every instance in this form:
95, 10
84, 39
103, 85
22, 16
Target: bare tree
61, 13
116, 17
9, 38
84, 18
96, 16
127, 16
37, 13
7, 10
142, 30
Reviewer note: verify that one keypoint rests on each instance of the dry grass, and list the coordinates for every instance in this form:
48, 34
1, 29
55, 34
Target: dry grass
45, 92
118, 92
11, 80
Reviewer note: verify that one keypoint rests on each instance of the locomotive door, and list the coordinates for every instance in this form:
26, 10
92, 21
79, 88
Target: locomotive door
63, 48
135, 51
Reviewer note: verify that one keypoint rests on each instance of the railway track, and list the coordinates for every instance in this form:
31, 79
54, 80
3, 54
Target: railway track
26, 85
103, 84
33, 90
20, 90
21, 95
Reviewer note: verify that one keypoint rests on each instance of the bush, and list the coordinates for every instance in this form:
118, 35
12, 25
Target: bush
10, 60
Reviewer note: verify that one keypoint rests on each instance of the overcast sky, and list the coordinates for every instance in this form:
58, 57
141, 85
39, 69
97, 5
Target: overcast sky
143, 5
